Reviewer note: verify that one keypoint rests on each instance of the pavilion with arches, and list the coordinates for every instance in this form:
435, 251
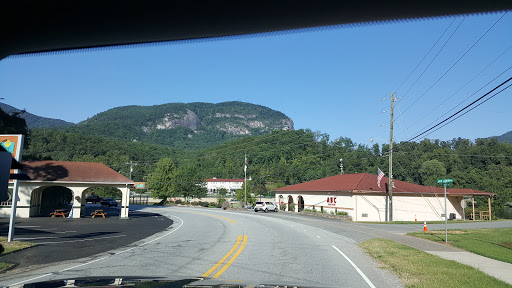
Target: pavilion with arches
64, 181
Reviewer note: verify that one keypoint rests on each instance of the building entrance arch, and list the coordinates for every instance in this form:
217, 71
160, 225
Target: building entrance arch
300, 203
54, 197
281, 202
290, 203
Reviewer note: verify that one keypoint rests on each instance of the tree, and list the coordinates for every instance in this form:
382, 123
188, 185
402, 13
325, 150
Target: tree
432, 170
13, 123
241, 196
189, 184
162, 182
223, 191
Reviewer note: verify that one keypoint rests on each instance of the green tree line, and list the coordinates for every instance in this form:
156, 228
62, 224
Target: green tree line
289, 157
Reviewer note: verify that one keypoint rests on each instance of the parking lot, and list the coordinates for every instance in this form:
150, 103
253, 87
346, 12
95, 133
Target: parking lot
60, 239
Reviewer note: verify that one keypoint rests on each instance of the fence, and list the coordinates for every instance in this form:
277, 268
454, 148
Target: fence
139, 199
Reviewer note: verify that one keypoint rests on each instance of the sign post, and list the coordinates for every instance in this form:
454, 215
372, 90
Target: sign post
463, 204
445, 183
14, 145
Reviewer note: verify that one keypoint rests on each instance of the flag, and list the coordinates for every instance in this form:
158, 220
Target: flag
379, 177
245, 166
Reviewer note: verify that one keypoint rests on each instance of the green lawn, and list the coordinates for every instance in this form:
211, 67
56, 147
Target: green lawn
492, 243
416, 268
12, 246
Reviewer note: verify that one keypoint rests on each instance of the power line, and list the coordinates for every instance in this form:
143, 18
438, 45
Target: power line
471, 109
469, 105
431, 48
435, 57
453, 65
466, 98
472, 79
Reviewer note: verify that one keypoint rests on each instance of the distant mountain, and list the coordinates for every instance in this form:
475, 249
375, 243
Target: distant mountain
507, 137
187, 125
34, 121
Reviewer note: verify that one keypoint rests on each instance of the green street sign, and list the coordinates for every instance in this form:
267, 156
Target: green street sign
444, 181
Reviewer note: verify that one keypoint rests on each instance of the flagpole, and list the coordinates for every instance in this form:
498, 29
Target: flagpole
245, 181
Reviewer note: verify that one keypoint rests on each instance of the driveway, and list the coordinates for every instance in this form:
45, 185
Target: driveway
60, 239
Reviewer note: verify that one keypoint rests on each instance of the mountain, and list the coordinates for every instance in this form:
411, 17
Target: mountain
186, 125
34, 121
506, 137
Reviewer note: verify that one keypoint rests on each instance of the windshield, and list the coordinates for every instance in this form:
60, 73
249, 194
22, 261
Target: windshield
190, 136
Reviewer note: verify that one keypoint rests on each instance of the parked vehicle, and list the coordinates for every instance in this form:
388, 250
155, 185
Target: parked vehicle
265, 206
93, 199
109, 202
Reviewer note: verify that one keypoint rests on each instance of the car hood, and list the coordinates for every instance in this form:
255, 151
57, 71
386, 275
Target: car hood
149, 282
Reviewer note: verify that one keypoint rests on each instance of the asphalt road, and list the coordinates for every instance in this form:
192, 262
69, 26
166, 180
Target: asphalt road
231, 247
60, 239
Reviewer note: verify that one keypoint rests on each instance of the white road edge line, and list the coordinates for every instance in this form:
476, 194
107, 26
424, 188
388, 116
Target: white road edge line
96, 260
355, 266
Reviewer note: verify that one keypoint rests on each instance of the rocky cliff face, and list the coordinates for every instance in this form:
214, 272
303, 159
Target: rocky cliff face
231, 123
195, 125
189, 120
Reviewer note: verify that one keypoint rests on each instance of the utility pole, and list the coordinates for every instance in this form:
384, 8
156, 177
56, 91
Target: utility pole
391, 158
245, 181
131, 164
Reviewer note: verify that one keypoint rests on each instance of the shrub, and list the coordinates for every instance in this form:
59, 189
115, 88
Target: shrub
342, 213
283, 207
292, 207
225, 205
178, 201
203, 204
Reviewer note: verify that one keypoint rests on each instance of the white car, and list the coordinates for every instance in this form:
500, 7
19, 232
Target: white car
265, 206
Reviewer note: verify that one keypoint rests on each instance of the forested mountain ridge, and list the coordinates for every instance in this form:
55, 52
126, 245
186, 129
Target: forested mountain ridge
187, 125
34, 121
505, 137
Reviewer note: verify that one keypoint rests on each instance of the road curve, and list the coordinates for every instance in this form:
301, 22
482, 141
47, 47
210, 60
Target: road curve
229, 247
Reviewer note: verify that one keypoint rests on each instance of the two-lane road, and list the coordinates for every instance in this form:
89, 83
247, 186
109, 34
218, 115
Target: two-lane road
230, 247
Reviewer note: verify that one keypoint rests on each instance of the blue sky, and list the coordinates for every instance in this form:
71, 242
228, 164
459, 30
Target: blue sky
330, 80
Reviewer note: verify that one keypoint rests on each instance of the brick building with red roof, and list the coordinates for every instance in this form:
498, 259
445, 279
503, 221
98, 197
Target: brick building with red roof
360, 196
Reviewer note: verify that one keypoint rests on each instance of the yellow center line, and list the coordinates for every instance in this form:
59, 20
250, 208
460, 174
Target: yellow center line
223, 259
232, 221
232, 259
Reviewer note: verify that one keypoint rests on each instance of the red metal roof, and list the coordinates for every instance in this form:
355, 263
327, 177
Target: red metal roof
224, 180
367, 183
67, 171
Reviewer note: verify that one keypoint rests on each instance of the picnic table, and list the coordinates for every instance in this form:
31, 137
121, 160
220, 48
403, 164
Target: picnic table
98, 213
60, 212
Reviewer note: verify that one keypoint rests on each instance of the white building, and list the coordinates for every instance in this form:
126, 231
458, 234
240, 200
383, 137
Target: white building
363, 200
231, 185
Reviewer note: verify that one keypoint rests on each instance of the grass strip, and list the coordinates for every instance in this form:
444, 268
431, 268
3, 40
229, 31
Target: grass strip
495, 243
421, 222
10, 247
416, 268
